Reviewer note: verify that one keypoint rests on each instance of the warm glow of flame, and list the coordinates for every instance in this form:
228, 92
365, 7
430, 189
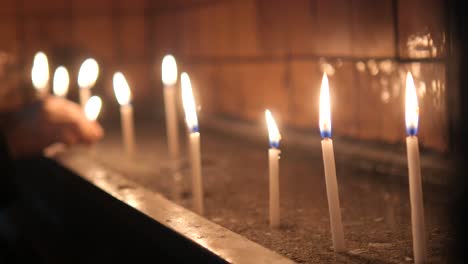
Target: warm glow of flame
121, 89
61, 81
273, 131
40, 71
93, 107
88, 73
411, 106
169, 70
189, 103
325, 108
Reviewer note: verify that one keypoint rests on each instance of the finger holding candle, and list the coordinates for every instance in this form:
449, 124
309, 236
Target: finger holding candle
191, 119
61, 82
87, 76
329, 167
414, 170
273, 165
40, 73
169, 78
123, 94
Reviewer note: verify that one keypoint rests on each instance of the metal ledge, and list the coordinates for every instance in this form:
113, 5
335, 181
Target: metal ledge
227, 245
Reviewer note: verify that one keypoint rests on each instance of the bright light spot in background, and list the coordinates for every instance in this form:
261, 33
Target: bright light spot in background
93, 108
61, 81
88, 73
169, 70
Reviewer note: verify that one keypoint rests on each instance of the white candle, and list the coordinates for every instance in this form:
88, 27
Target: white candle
169, 78
194, 142
329, 167
61, 82
87, 77
40, 73
273, 165
123, 94
60, 89
414, 170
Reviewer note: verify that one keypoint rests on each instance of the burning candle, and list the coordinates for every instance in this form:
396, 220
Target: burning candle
194, 136
61, 82
414, 169
329, 166
93, 108
87, 77
169, 78
273, 158
40, 73
123, 94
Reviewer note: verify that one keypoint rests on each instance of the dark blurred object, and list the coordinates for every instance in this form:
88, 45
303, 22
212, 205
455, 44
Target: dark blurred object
459, 59
15, 90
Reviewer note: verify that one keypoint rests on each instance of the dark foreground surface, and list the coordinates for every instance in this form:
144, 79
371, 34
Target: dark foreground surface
375, 209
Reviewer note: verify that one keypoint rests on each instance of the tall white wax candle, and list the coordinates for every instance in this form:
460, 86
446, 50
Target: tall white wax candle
123, 95
273, 165
414, 170
329, 166
332, 195
197, 181
171, 121
169, 79
128, 131
87, 76
273, 158
416, 198
191, 118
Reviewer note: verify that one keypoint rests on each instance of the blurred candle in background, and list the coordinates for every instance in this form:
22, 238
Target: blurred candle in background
329, 166
123, 94
40, 73
169, 79
87, 77
273, 165
414, 170
191, 119
93, 108
61, 82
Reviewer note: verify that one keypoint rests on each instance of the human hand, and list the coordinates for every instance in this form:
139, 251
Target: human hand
52, 120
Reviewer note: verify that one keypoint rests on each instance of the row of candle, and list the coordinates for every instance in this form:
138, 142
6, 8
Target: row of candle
88, 74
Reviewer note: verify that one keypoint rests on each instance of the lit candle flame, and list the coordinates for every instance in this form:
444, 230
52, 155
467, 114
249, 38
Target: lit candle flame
273, 131
169, 70
40, 71
189, 103
325, 109
88, 73
412, 107
93, 107
121, 89
61, 81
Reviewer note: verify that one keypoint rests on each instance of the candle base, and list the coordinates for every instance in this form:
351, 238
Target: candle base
416, 198
171, 122
333, 196
128, 130
273, 157
197, 180
85, 94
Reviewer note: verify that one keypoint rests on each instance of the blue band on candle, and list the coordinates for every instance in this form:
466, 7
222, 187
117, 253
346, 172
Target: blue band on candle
412, 131
194, 129
325, 133
274, 144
